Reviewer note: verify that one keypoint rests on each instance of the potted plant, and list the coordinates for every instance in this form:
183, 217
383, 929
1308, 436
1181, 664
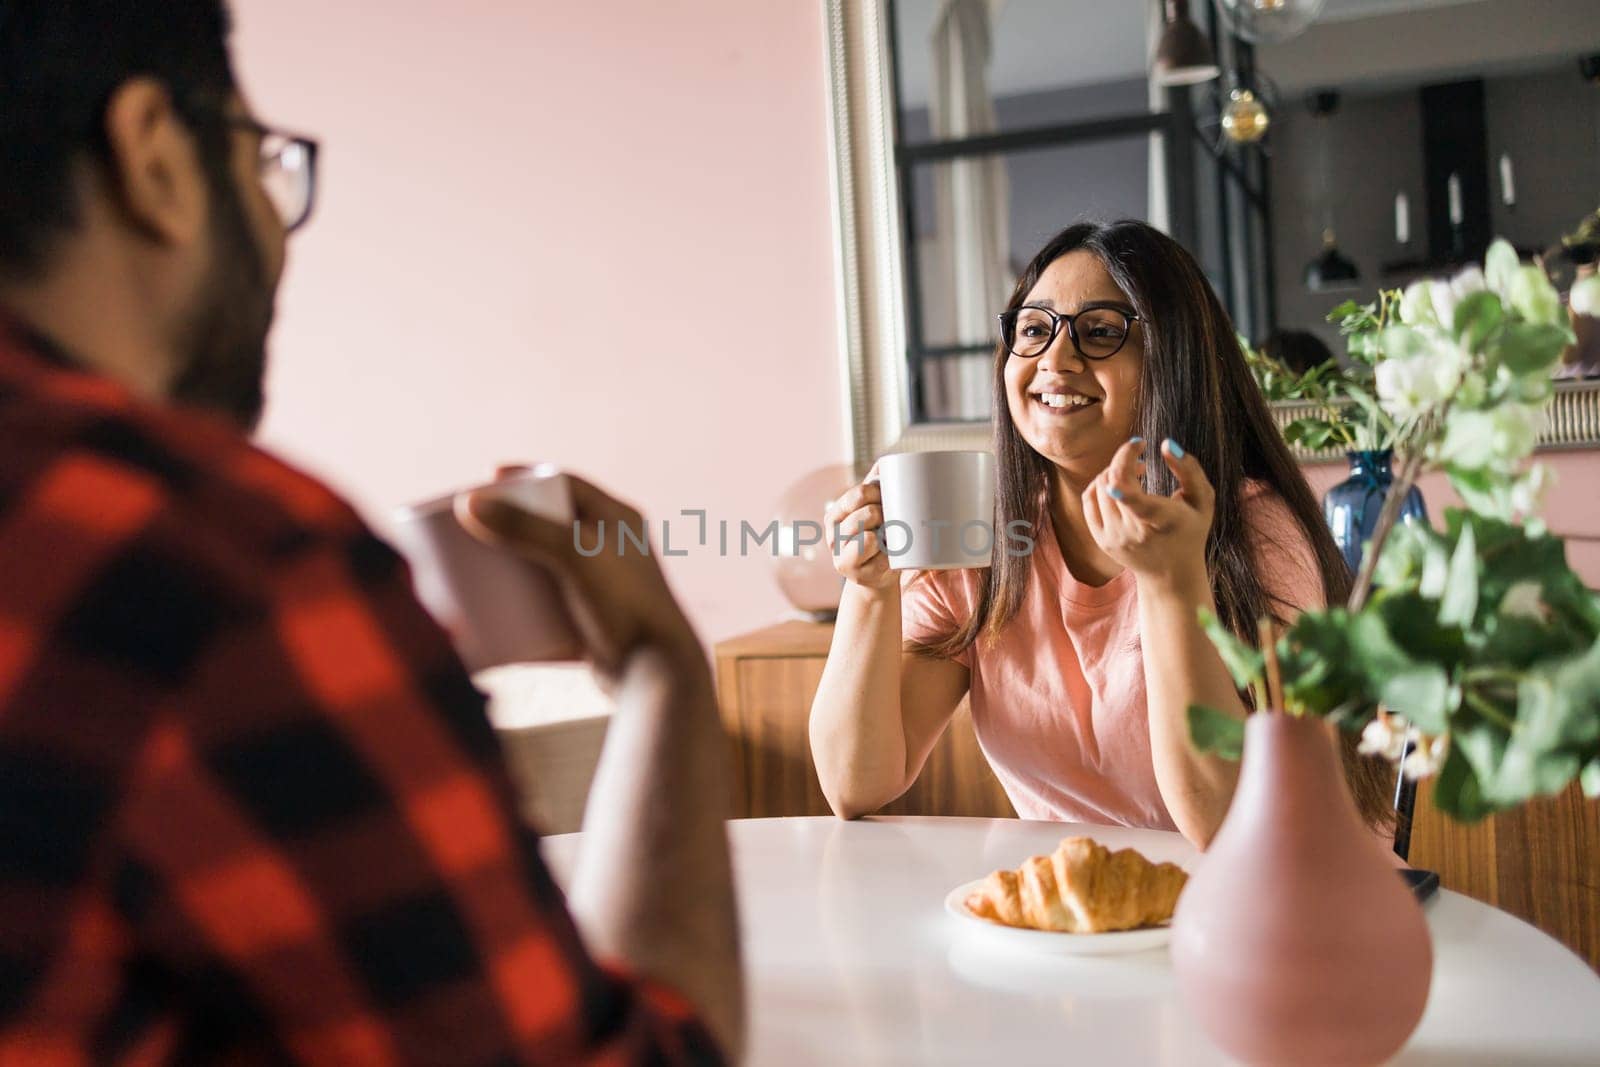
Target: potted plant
1345, 413
1479, 644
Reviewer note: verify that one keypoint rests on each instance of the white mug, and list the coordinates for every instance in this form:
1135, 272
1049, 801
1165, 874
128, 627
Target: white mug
498, 607
938, 509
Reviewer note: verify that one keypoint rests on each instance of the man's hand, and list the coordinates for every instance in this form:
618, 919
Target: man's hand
618, 598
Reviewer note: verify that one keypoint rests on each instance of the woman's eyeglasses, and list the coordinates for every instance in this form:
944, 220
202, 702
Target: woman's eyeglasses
1097, 332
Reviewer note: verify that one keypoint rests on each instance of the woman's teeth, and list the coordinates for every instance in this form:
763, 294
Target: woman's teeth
1064, 400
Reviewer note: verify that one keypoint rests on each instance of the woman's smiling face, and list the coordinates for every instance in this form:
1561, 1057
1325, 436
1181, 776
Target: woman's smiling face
1075, 411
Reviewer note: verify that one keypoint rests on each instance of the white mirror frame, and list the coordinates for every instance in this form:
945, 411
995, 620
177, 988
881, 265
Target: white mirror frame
870, 291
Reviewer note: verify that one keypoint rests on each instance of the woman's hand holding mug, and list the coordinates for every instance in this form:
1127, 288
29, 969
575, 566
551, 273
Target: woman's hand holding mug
854, 532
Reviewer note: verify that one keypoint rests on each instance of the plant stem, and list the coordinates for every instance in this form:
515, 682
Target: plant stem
1489, 711
1491, 674
1269, 650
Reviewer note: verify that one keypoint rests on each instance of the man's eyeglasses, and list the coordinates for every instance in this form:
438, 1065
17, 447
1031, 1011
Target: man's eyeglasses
1097, 332
288, 169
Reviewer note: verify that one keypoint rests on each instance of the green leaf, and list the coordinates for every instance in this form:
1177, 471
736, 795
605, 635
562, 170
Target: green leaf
1216, 732
1591, 779
1456, 791
1308, 429
1423, 695
1420, 691
1370, 405
1525, 772
1244, 662
1319, 671
1558, 702
1413, 623
1528, 347
1460, 600
1345, 311
1478, 316
1317, 439
1482, 745
1362, 346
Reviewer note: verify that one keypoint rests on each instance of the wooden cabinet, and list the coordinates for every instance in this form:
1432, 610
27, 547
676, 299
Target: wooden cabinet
1540, 862
765, 682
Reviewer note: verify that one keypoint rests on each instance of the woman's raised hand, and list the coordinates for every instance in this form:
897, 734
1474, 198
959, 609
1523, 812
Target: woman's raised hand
854, 525
1157, 537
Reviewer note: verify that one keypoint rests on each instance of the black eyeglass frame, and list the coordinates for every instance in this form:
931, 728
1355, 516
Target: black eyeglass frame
1056, 319
308, 145
199, 109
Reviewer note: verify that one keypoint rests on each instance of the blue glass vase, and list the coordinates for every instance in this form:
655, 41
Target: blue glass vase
1352, 507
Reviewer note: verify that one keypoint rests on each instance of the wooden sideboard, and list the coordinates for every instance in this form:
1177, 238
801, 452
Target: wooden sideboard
765, 682
1540, 862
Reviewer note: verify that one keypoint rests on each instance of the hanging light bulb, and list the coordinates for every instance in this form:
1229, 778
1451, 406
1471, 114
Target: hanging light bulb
1269, 21
1245, 119
1332, 269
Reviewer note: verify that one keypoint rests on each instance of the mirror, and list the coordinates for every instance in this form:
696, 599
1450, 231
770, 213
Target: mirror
968, 131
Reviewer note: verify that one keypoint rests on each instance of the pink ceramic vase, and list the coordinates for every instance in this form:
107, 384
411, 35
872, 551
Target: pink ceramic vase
1296, 942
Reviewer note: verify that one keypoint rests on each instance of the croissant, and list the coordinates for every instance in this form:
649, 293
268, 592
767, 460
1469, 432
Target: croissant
1082, 888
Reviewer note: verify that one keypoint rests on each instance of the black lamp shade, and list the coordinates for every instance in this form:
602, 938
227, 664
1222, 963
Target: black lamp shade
1183, 56
1331, 270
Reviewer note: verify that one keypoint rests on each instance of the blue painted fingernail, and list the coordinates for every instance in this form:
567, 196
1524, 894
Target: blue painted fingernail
1114, 493
1135, 440
1175, 448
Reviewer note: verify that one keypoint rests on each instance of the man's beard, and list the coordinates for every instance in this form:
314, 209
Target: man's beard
224, 344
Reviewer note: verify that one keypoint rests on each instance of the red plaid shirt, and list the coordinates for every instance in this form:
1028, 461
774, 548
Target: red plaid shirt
251, 809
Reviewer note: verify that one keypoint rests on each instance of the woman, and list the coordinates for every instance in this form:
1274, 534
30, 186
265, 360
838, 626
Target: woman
1082, 658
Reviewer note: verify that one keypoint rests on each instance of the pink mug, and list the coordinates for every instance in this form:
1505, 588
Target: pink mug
498, 607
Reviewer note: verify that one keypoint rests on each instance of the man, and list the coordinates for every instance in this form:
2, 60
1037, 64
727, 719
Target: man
250, 806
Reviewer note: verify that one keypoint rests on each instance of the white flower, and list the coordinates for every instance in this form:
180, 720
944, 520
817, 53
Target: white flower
1446, 295
1585, 296
1499, 438
1426, 759
1444, 303
1466, 441
1500, 266
1534, 298
1384, 736
1528, 492
1523, 601
1416, 305
1418, 370
1516, 430
1470, 280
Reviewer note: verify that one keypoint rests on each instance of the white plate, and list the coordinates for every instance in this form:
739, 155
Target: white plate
1050, 940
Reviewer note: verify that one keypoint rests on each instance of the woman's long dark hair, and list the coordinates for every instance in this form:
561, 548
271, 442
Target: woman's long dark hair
1197, 390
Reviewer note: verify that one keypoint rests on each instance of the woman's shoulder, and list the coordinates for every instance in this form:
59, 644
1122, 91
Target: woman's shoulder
953, 588
1267, 511
1281, 545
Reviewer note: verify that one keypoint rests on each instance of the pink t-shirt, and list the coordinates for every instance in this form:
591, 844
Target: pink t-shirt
1058, 701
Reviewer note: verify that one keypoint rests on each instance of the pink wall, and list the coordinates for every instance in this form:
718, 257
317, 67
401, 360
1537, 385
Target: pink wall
501, 178
1572, 509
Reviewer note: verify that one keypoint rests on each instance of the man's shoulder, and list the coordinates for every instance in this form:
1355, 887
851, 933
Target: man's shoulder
109, 480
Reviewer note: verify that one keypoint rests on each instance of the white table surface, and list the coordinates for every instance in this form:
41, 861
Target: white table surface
852, 960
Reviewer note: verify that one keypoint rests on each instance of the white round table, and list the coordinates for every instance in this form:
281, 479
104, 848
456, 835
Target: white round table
852, 960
